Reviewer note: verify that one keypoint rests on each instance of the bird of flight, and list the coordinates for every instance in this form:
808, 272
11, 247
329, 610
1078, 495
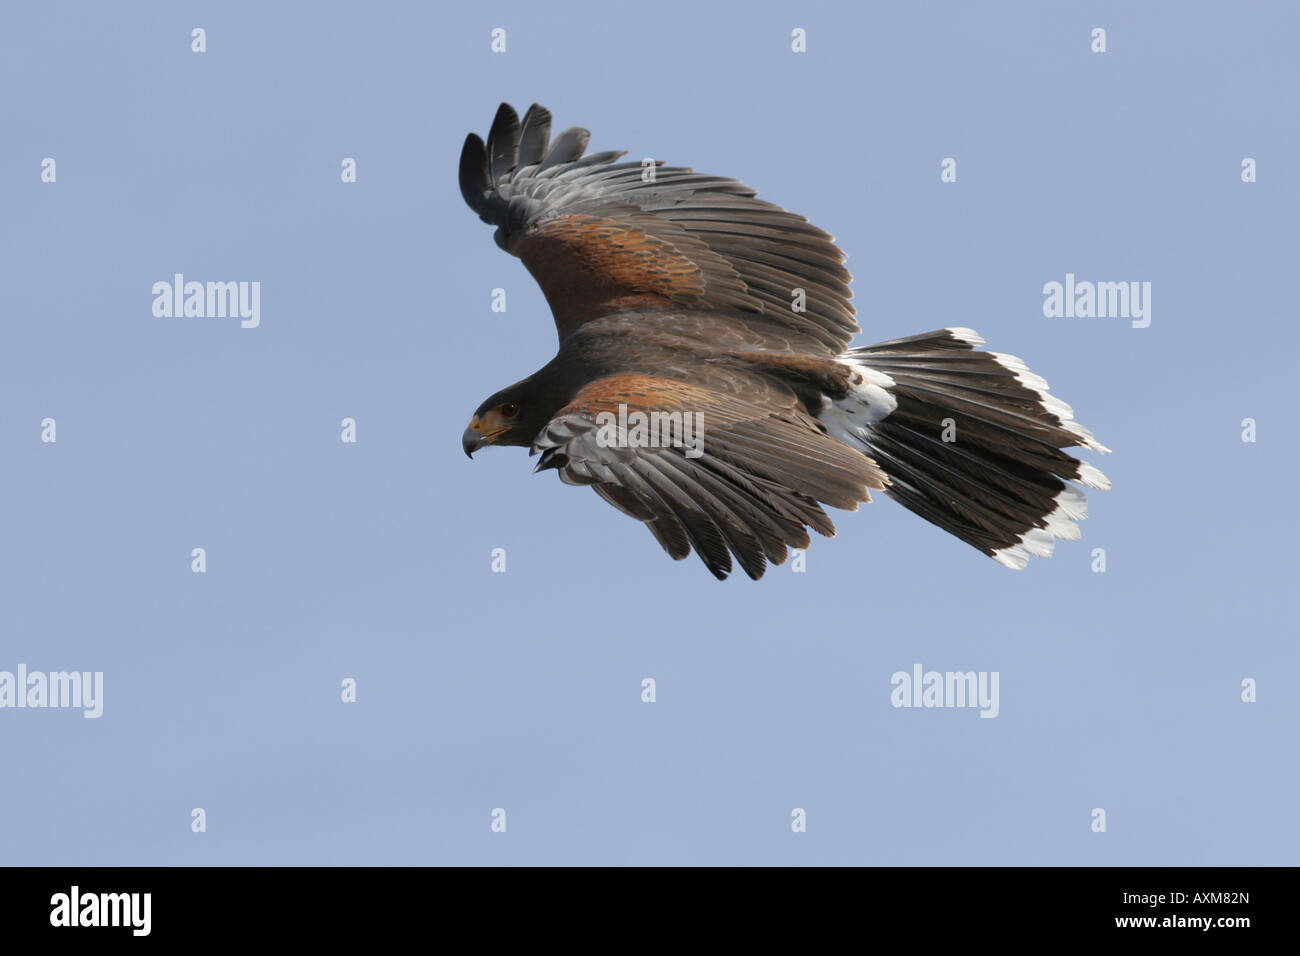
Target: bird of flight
704, 382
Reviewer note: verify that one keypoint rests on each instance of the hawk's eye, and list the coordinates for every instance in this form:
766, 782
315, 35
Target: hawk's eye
510, 410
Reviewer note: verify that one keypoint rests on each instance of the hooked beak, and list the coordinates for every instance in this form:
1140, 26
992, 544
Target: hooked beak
475, 437
472, 441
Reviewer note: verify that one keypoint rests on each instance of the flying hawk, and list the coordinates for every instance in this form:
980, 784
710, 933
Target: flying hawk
704, 382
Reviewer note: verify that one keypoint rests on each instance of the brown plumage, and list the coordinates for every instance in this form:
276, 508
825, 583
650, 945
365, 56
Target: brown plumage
683, 300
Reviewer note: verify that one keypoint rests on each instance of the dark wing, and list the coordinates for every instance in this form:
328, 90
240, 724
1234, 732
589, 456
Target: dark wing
598, 237
764, 467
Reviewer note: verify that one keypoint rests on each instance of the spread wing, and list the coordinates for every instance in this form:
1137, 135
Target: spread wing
745, 480
599, 236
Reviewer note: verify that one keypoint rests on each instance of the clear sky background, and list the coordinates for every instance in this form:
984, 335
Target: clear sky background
1119, 690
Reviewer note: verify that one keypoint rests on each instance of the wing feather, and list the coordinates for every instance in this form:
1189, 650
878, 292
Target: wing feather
600, 235
536, 135
753, 491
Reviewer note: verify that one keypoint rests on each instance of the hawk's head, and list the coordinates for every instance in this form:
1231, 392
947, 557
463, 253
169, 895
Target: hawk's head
512, 416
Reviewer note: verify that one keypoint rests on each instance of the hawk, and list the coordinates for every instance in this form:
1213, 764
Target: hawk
705, 383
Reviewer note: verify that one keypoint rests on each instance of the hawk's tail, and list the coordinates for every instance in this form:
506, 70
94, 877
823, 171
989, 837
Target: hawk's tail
970, 441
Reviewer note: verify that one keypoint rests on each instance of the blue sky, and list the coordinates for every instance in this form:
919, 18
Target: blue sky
372, 561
